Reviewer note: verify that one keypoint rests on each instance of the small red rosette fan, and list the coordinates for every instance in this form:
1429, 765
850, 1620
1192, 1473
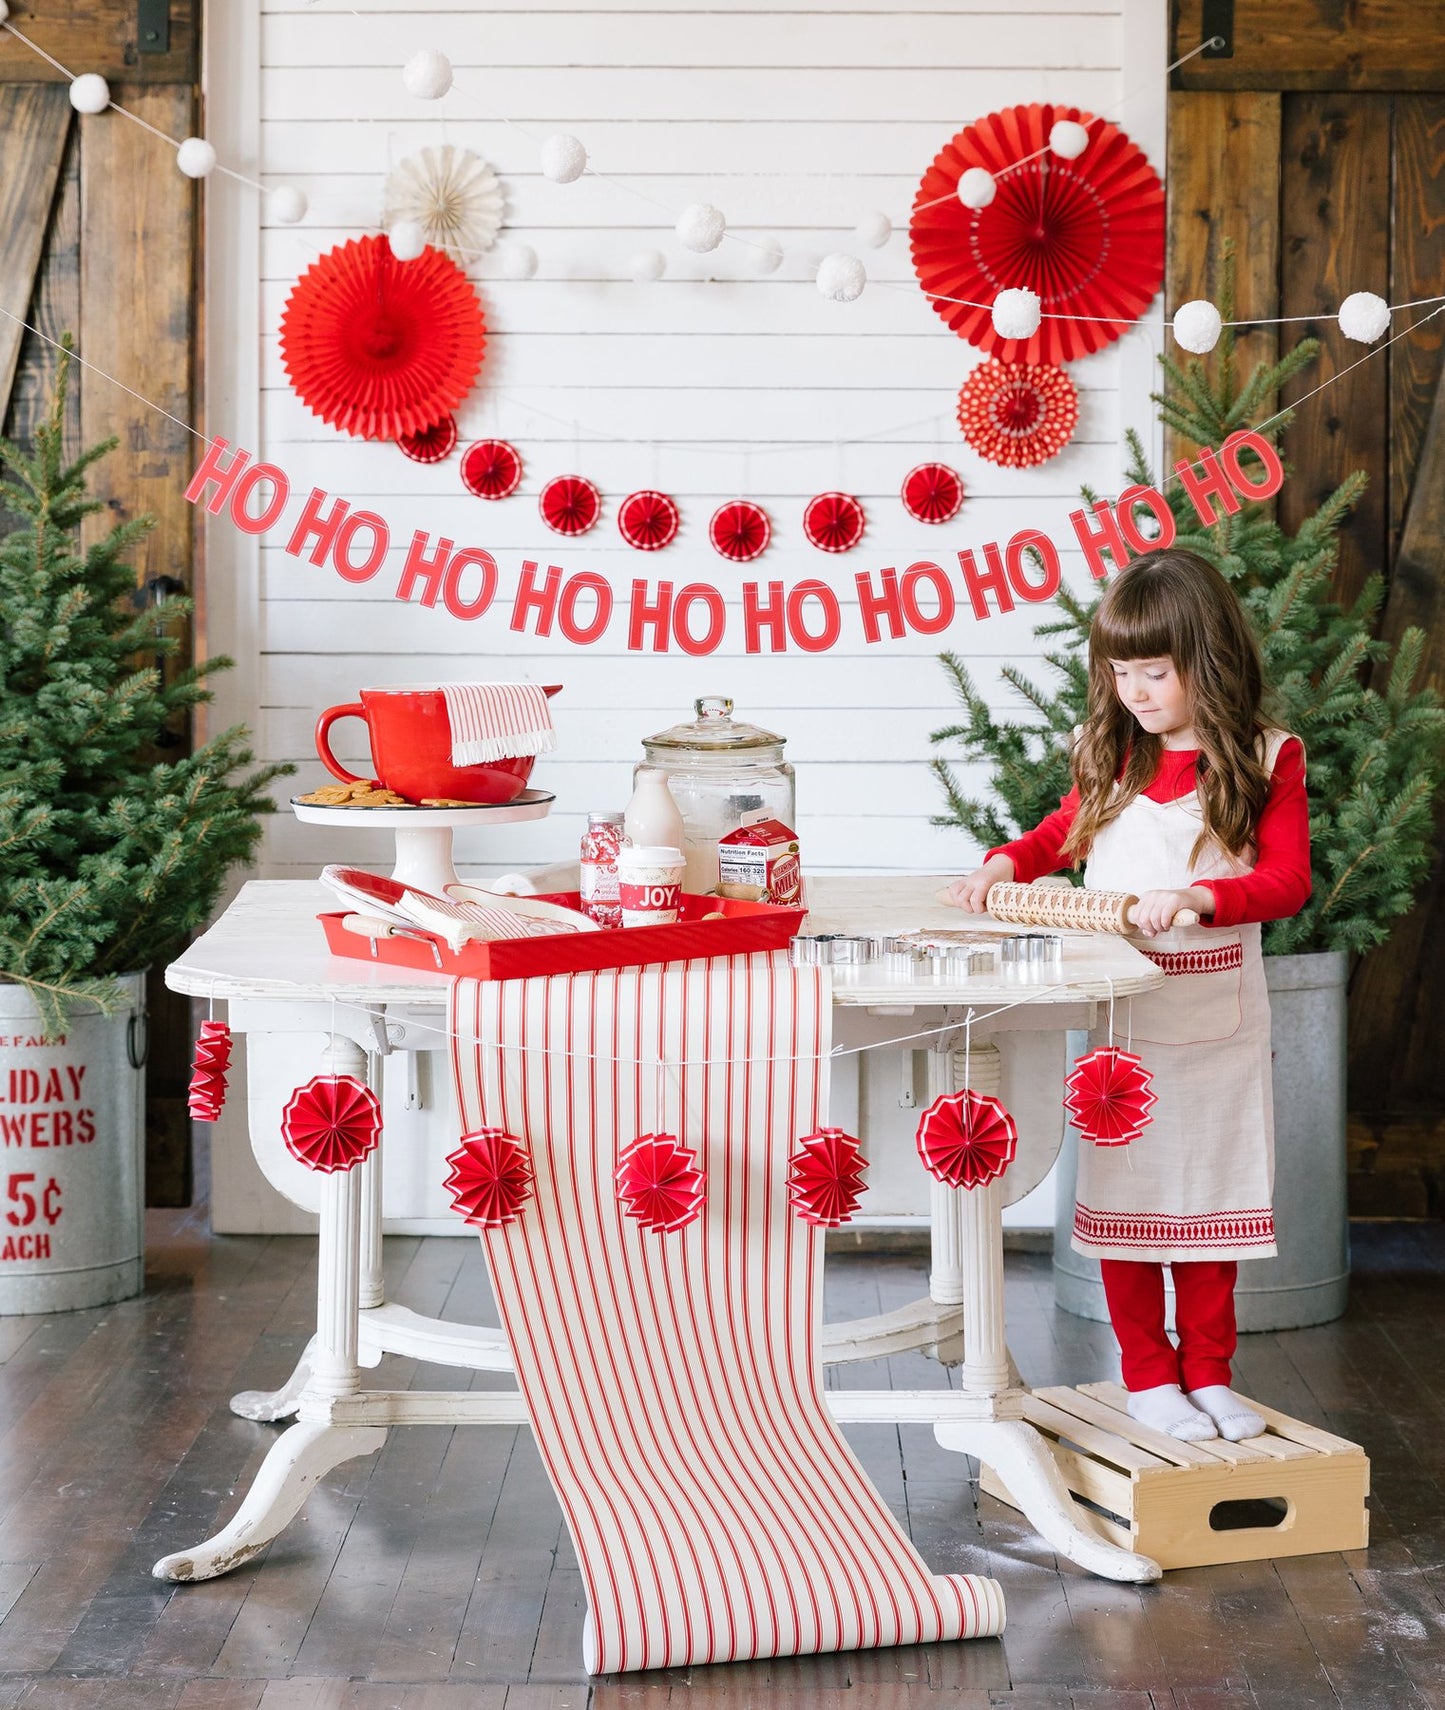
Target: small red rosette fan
740, 530
825, 1178
932, 493
331, 1123
648, 520
432, 444
570, 504
834, 522
491, 469
1110, 1096
208, 1071
1086, 235
660, 1183
1017, 414
378, 347
491, 1178
966, 1139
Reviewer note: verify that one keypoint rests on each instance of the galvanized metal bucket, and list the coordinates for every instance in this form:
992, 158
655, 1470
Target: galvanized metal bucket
72, 1156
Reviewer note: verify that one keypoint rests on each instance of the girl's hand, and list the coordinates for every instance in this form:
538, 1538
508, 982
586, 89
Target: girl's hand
970, 893
1155, 910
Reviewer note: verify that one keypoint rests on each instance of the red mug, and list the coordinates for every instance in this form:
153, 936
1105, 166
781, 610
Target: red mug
411, 749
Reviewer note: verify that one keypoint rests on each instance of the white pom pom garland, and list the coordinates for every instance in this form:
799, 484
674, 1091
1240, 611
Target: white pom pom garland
196, 158
287, 204
1197, 325
564, 159
1068, 139
427, 74
1016, 314
1364, 317
701, 227
874, 230
841, 278
4, 11
90, 93
977, 188
647, 265
767, 254
518, 260
407, 239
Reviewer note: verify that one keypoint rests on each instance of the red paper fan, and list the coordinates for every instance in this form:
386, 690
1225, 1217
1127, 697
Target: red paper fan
932, 493
207, 1094
432, 444
1110, 1096
1087, 235
379, 347
570, 504
331, 1123
1017, 414
740, 530
659, 1182
825, 1181
834, 522
491, 469
966, 1139
491, 1178
648, 520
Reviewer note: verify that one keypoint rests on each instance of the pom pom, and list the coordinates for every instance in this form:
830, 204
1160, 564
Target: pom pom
1068, 139
873, 230
90, 93
518, 260
1197, 325
4, 11
841, 278
196, 158
407, 239
977, 187
287, 204
1016, 314
1364, 317
701, 227
427, 74
767, 254
646, 265
563, 158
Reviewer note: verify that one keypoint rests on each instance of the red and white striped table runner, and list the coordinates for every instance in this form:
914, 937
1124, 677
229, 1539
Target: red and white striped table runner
673, 1381
497, 721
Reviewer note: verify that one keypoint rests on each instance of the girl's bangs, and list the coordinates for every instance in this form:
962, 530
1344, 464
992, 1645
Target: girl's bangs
1141, 627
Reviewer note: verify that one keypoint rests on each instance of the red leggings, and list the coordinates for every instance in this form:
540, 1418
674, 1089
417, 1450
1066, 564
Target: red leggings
1203, 1317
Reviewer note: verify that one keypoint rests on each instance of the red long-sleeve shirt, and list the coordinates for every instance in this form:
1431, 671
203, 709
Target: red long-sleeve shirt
1278, 887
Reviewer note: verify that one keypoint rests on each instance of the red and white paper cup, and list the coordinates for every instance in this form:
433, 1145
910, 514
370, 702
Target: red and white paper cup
649, 884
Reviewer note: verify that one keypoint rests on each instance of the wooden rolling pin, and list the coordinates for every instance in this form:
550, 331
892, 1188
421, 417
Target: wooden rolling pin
1066, 906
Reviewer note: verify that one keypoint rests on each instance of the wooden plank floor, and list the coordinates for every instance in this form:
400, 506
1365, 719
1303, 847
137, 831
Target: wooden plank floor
437, 1576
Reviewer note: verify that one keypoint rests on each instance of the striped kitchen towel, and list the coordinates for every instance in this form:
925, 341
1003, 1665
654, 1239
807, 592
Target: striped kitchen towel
498, 721
673, 1379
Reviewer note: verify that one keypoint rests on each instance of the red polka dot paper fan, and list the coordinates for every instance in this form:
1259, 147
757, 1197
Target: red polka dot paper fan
740, 530
570, 504
432, 444
1086, 235
834, 522
932, 493
825, 1178
492, 469
1110, 1096
648, 520
381, 348
331, 1123
966, 1139
659, 1183
491, 1178
1017, 414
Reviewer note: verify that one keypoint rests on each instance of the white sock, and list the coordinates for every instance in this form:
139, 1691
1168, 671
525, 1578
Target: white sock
1233, 1415
1166, 1409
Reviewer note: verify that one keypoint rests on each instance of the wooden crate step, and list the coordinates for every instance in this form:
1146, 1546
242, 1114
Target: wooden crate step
1150, 1492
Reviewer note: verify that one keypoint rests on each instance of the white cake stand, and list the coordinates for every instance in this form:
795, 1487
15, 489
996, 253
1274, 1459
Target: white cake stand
424, 835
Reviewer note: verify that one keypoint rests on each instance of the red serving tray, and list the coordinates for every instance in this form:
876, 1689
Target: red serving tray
745, 926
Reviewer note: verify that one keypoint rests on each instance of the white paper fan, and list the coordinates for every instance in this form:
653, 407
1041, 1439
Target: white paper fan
453, 193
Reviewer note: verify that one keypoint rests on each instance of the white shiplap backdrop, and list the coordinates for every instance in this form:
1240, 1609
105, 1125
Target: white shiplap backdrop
795, 122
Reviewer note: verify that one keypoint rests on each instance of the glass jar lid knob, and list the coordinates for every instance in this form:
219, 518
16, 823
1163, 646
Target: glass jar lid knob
709, 707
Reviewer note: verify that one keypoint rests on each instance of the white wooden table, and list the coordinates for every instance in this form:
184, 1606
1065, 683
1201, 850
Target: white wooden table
267, 960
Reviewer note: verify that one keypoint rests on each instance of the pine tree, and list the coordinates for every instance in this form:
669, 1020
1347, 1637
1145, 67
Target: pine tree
1375, 755
109, 857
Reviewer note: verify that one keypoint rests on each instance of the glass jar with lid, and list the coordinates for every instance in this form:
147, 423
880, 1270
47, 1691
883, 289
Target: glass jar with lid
722, 774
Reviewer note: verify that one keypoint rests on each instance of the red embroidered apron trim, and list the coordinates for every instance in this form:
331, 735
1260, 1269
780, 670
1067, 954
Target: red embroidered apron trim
1198, 961
1253, 1228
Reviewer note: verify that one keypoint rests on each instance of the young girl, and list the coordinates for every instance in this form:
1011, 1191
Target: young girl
1185, 796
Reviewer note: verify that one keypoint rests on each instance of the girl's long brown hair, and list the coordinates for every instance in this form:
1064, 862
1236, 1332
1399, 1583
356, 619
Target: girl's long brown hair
1173, 604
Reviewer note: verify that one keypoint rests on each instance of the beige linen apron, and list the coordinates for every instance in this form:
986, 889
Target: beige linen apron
1198, 1182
